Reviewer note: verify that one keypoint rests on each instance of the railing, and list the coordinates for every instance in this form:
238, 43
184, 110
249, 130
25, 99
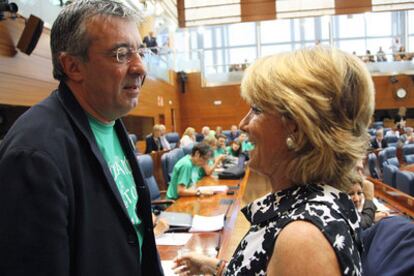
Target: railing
168, 59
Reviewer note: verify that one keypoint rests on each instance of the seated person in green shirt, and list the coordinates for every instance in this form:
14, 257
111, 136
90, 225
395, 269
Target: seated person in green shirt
221, 145
188, 171
245, 144
234, 149
215, 160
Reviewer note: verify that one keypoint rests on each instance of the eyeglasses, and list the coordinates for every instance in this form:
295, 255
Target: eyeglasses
124, 54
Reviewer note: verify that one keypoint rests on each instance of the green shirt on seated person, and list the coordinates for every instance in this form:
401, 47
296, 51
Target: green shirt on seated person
184, 173
219, 151
247, 146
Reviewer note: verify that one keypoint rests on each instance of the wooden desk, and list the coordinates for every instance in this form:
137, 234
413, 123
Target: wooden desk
408, 168
397, 199
211, 243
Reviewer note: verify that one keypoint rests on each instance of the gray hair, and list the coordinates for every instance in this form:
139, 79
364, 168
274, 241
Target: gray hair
69, 33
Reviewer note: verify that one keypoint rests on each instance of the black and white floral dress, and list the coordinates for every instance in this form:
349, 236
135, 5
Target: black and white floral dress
331, 210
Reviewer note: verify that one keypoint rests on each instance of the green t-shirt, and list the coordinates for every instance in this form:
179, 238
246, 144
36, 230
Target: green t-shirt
111, 149
231, 152
247, 146
219, 151
184, 172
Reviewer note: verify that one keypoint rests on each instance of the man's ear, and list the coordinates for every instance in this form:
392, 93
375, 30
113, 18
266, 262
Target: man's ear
72, 66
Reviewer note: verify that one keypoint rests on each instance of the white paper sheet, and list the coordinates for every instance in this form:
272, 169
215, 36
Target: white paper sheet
380, 206
215, 188
173, 239
167, 267
207, 224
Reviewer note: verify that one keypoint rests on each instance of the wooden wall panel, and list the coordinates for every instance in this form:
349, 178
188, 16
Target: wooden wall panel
155, 93
198, 109
255, 10
350, 7
385, 97
24, 80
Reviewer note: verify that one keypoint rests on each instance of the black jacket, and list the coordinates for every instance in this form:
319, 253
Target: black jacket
151, 144
368, 214
375, 145
60, 210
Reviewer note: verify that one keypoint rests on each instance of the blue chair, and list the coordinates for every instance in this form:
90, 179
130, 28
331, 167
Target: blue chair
408, 153
146, 165
392, 140
227, 133
373, 165
391, 156
381, 159
389, 247
386, 129
389, 174
404, 182
377, 124
173, 139
188, 149
168, 161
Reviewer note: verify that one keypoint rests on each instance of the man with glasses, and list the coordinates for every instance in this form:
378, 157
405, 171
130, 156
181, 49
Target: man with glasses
72, 198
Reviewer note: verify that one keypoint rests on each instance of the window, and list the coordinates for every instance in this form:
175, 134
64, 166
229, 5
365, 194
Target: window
242, 34
378, 24
351, 26
275, 31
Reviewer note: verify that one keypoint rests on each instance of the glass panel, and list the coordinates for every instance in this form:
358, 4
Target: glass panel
411, 43
207, 38
242, 34
351, 45
194, 42
219, 43
351, 25
275, 31
373, 45
325, 21
274, 49
296, 29
240, 55
308, 25
411, 22
378, 24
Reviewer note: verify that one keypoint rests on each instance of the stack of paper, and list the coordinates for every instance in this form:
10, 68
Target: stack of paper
173, 239
216, 188
167, 267
207, 224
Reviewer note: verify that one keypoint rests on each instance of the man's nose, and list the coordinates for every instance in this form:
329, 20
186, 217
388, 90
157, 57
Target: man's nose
137, 65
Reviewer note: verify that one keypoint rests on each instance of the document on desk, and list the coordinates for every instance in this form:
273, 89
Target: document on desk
167, 267
214, 188
380, 206
207, 224
173, 239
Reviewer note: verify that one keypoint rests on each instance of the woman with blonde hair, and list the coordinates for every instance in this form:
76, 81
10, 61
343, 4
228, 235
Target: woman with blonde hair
188, 137
310, 110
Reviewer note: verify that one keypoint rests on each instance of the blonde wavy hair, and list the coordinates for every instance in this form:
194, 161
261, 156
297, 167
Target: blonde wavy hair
329, 95
189, 131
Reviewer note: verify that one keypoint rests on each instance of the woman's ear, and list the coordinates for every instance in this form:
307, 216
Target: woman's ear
290, 125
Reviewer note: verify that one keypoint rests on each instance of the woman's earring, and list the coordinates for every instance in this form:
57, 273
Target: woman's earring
290, 143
